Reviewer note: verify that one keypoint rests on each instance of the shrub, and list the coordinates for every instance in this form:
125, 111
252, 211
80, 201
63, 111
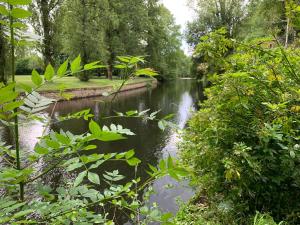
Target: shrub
264, 219
24, 66
244, 142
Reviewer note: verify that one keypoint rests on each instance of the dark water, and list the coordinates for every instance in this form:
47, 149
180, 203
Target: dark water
151, 144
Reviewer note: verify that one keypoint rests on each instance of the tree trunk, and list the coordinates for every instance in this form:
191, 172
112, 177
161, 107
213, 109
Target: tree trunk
109, 72
111, 57
47, 38
84, 76
287, 33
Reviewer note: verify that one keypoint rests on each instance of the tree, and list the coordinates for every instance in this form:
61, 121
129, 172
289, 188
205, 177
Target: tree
213, 15
105, 29
86, 17
264, 18
112, 35
125, 29
45, 13
163, 40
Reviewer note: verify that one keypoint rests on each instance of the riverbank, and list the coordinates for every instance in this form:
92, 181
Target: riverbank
75, 89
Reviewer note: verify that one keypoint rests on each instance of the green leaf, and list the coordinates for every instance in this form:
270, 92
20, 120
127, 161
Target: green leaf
19, 2
129, 154
135, 60
131, 113
173, 174
79, 178
12, 105
74, 166
120, 66
154, 170
170, 163
93, 65
166, 217
19, 13
181, 172
94, 128
19, 25
147, 72
25, 87
5, 23
125, 59
120, 156
133, 161
162, 165
94, 178
8, 97
109, 136
103, 135
292, 154
63, 68
75, 65
90, 147
3, 10
41, 150
49, 73
161, 125
97, 164
53, 144
170, 116
36, 78
23, 213
63, 139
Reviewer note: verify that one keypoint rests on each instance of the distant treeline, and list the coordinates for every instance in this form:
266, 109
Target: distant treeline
100, 30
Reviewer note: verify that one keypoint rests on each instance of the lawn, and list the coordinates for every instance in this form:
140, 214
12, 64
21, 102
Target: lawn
73, 82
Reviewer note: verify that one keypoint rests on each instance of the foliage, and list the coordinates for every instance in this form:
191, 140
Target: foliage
107, 29
211, 53
243, 144
245, 20
24, 66
264, 18
75, 201
163, 41
197, 214
262, 219
44, 17
86, 18
213, 15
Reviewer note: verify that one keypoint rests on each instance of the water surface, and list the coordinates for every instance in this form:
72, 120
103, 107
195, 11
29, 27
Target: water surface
150, 143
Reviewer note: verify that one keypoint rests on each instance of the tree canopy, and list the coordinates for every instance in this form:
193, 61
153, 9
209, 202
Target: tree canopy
102, 29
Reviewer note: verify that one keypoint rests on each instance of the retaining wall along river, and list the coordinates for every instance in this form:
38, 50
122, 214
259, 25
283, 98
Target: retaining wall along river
78, 93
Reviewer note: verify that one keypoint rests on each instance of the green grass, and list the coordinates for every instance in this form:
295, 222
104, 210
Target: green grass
75, 83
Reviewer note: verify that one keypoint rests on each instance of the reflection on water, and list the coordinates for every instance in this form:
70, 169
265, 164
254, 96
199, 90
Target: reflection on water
167, 197
150, 143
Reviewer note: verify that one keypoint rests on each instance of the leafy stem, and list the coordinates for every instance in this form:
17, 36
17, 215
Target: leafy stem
16, 119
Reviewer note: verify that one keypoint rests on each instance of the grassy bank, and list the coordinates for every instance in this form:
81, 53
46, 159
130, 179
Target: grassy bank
75, 83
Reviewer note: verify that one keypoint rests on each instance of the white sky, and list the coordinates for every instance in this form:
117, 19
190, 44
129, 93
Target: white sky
182, 14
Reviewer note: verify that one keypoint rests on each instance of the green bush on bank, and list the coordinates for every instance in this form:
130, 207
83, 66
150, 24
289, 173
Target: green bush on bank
197, 214
25, 65
243, 144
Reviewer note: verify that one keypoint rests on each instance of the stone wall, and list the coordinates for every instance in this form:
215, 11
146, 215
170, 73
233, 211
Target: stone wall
93, 92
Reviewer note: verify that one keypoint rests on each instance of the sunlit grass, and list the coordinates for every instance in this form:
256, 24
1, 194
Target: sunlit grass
75, 83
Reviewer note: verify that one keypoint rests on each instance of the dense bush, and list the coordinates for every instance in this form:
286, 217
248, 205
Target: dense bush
25, 66
244, 142
197, 214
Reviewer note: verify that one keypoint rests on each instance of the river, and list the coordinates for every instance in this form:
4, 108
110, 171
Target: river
150, 143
